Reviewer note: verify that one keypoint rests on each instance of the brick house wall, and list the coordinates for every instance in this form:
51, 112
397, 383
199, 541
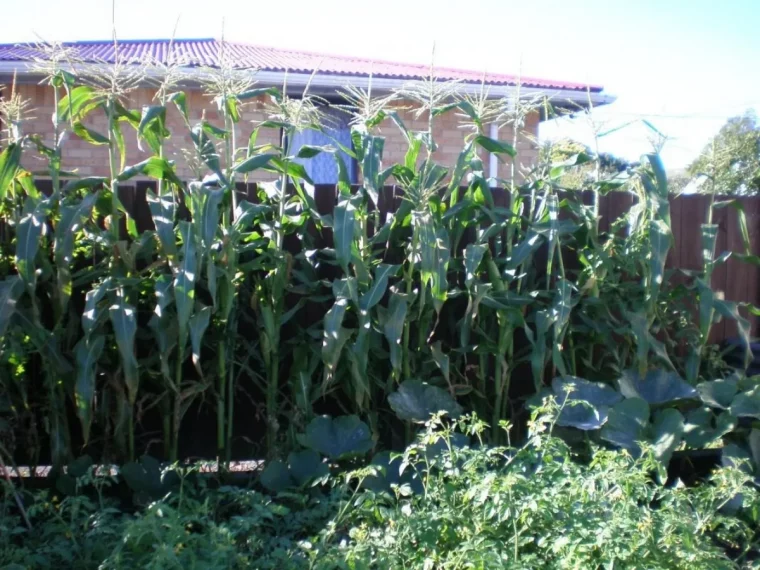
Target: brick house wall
90, 160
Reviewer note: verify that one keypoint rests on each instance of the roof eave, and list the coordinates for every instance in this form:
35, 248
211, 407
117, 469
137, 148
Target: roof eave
323, 82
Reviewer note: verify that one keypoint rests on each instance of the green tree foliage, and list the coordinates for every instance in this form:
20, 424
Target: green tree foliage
731, 160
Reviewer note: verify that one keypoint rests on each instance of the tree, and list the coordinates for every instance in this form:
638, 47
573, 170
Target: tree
576, 178
731, 160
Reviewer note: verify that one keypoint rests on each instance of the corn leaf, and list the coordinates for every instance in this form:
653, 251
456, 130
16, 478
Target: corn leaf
72, 219
184, 281
10, 159
162, 211
87, 352
198, 324
11, 288
124, 321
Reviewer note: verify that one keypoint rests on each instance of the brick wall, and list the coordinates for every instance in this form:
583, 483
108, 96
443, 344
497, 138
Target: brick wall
89, 160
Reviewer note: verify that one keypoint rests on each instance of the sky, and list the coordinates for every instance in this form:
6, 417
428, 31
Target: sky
685, 66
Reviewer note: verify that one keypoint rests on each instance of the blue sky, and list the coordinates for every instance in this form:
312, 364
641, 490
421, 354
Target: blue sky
684, 65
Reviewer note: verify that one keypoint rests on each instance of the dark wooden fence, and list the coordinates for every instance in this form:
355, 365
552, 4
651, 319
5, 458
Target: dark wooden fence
737, 280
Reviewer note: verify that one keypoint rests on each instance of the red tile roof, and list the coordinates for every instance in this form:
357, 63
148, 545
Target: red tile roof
206, 52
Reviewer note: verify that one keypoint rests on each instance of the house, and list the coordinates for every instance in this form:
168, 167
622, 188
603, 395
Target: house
325, 74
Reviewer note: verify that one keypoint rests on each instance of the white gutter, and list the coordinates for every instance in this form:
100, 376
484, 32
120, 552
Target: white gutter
331, 82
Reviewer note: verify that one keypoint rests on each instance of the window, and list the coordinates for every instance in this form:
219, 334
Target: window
322, 168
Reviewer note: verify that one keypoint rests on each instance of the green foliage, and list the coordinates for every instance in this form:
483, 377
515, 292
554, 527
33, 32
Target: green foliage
462, 506
730, 162
465, 298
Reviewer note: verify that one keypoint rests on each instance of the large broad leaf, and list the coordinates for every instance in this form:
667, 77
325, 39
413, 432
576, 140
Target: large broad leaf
276, 476
389, 475
666, 433
416, 401
754, 447
87, 353
747, 404
626, 424
337, 438
124, 320
702, 427
657, 387
11, 288
585, 404
718, 393
305, 466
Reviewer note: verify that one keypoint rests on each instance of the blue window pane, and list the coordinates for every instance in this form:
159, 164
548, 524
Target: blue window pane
322, 168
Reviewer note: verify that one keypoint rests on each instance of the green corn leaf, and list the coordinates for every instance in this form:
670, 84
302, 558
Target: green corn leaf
441, 359
274, 92
154, 167
30, 229
162, 210
742, 217
198, 324
343, 231
89, 135
92, 312
88, 183
344, 182
78, 103
10, 159
11, 288
379, 286
660, 240
393, 328
152, 126
184, 281
477, 294
334, 335
473, 255
180, 101
358, 356
460, 168
87, 352
72, 219
124, 321
538, 351
495, 146
206, 150
730, 310
253, 163
210, 223
372, 154
294, 170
